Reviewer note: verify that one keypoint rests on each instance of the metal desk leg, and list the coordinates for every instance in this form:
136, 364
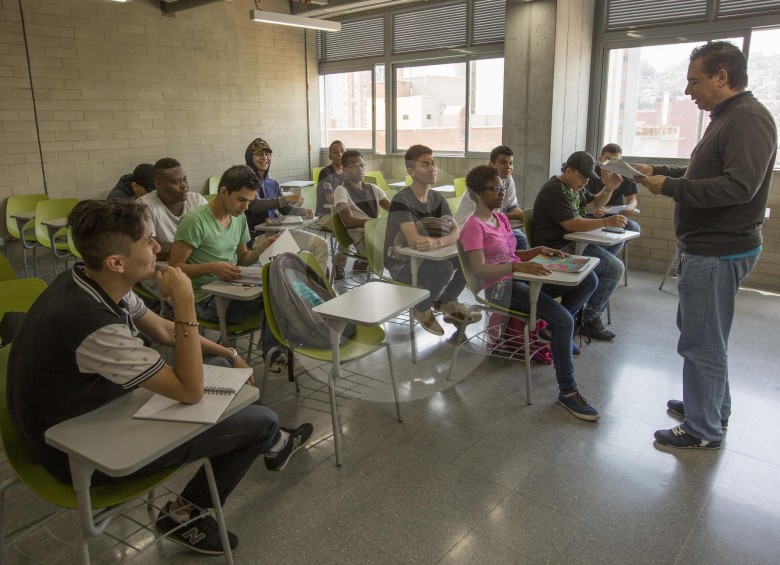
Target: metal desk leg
336, 329
222, 306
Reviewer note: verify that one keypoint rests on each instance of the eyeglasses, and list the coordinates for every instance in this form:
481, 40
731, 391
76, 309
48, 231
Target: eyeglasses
496, 189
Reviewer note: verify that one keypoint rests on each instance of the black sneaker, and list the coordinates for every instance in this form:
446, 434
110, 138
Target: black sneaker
575, 403
680, 439
298, 438
595, 329
677, 408
360, 267
200, 534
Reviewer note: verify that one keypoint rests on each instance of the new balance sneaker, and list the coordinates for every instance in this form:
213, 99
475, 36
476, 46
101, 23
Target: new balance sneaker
595, 329
457, 313
680, 439
575, 403
298, 438
201, 534
428, 321
678, 408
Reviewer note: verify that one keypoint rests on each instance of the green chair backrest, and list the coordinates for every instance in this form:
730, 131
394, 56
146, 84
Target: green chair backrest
50, 210
7, 272
474, 284
454, 203
370, 178
380, 179
210, 197
408, 180
214, 185
18, 204
375, 231
528, 215
309, 195
72, 245
340, 230
315, 174
460, 186
18, 295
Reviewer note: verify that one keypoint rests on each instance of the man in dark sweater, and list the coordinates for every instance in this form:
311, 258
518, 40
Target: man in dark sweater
720, 200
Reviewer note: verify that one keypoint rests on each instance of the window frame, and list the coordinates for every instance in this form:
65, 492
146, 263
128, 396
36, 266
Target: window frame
372, 69
392, 61
648, 36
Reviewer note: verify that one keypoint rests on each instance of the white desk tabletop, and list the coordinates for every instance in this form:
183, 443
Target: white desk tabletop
281, 227
439, 254
234, 291
296, 183
557, 277
444, 188
24, 215
55, 223
372, 303
601, 237
118, 444
398, 184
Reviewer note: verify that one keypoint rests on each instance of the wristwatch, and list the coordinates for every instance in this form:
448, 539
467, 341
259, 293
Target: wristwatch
233, 354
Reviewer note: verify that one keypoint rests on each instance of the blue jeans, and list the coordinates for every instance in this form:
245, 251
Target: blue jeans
443, 279
610, 271
521, 240
707, 288
559, 317
239, 311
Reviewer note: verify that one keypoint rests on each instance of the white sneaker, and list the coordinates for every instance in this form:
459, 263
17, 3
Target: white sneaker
456, 313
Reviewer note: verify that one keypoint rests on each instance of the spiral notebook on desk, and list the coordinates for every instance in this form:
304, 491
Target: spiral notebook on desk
220, 385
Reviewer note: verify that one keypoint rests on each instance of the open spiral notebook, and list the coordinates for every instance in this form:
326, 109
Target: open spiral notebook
220, 385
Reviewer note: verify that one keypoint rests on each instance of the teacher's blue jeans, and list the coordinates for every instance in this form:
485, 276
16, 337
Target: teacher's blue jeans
559, 317
707, 287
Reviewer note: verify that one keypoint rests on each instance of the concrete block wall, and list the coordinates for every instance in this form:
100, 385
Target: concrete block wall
115, 85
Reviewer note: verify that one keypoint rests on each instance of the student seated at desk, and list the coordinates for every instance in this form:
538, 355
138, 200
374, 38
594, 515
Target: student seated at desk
356, 202
211, 243
409, 210
624, 195
135, 185
101, 358
560, 208
490, 246
269, 201
329, 179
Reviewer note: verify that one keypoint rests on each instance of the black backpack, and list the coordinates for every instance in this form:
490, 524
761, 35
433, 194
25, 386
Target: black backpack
295, 288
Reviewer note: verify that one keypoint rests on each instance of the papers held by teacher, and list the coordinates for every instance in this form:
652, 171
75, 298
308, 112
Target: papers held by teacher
619, 166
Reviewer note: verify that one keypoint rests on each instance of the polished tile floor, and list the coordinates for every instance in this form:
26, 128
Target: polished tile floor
475, 475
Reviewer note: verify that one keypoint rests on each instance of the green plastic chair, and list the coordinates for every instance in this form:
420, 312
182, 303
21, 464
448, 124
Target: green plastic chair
50, 210
7, 272
498, 349
460, 186
315, 174
210, 196
365, 341
20, 204
72, 246
214, 185
454, 204
19, 294
379, 178
106, 501
408, 180
345, 241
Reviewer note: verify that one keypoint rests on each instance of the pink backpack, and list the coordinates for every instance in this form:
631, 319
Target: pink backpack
512, 336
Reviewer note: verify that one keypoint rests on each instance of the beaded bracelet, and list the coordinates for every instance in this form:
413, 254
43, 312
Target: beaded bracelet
190, 324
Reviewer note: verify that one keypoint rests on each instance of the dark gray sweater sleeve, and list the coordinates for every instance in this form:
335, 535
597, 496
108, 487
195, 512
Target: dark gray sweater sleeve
262, 205
745, 145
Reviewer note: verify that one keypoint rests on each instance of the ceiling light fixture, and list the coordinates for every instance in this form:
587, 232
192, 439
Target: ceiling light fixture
289, 20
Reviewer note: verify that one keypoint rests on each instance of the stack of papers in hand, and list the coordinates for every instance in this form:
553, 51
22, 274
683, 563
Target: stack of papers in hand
251, 275
619, 166
562, 264
220, 386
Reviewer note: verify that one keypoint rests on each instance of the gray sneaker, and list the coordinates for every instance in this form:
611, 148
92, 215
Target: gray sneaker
677, 408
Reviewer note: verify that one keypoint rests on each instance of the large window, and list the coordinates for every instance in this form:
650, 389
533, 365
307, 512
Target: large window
346, 109
647, 111
400, 77
643, 50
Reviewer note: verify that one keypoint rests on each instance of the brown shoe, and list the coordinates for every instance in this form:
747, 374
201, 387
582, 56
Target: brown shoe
456, 313
428, 322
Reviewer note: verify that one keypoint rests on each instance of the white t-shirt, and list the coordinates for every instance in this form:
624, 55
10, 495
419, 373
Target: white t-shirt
161, 221
341, 195
468, 204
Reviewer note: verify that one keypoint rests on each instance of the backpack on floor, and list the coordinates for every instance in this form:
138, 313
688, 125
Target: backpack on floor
295, 289
512, 336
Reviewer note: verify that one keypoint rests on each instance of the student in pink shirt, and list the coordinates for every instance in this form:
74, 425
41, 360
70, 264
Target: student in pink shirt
490, 247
